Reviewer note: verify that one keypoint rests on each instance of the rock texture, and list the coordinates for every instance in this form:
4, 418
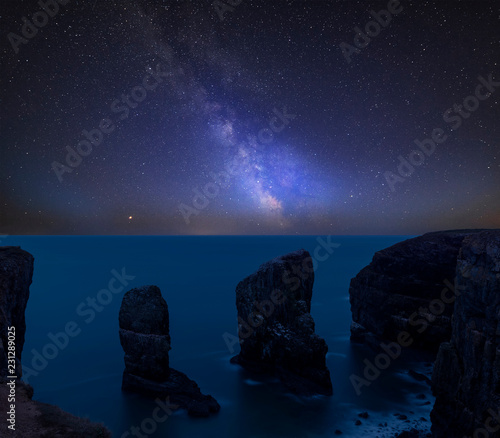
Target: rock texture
466, 378
16, 272
275, 327
393, 293
145, 338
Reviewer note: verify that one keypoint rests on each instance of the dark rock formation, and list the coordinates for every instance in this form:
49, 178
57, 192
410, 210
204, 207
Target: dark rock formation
41, 420
275, 327
396, 292
145, 338
144, 333
393, 294
34, 419
466, 378
16, 272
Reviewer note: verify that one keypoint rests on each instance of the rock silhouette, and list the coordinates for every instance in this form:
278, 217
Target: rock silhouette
145, 338
16, 272
35, 419
393, 293
402, 281
275, 327
466, 377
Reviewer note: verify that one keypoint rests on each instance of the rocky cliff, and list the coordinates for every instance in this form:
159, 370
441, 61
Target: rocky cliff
397, 291
145, 338
275, 326
16, 272
466, 378
34, 419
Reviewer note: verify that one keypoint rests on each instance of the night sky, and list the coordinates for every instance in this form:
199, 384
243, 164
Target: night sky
266, 117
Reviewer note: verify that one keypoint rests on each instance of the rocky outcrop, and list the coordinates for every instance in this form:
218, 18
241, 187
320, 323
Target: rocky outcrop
275, 326
396, 292
16, 272
145, 338
466, 378
32, 419
41, 420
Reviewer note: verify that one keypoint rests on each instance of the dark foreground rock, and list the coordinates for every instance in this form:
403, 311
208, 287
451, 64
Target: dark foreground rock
437, 287
33, 419
145, 338
466, 378
395, 292
275, 326
16, 272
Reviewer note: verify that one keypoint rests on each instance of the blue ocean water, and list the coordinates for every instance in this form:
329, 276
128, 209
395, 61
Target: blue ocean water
197, 277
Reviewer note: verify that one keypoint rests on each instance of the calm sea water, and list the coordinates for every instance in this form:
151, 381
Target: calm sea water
197, 277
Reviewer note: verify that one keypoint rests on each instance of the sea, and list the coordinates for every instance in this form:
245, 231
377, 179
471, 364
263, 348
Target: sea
81, 371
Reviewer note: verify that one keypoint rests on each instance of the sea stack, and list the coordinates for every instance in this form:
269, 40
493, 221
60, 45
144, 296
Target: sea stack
145, 338
275, 326
16, 272
466, 377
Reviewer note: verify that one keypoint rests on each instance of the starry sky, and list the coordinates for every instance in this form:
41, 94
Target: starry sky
249, 116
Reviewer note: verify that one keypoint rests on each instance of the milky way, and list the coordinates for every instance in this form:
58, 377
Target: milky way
287, 117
